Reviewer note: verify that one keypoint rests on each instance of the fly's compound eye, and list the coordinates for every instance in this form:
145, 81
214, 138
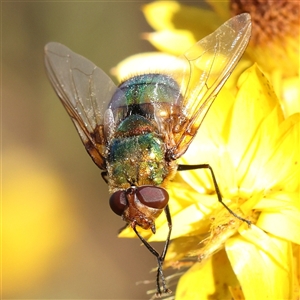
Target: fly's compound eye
153, 196
118, 202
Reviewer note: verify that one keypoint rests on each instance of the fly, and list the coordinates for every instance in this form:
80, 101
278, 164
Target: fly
136, 132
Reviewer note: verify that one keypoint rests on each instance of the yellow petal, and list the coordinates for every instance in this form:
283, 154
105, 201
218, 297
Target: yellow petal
159, 14
175, 42
282, 220
170, 15
264, 241
221, 8
223, 226
252, 168
255, 100
286, 149
183, 224
209, 281
291, 95
179, 248
145, 63
278, 200
189, 211
262, 264
287, 89
209, 147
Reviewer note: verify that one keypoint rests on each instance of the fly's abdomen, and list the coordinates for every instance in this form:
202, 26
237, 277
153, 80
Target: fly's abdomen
136, 160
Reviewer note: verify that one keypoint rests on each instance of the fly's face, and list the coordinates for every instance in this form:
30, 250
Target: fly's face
140, 205
135, 132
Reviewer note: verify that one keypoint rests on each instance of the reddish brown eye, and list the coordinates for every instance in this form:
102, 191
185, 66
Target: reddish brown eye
153, 196
118, 202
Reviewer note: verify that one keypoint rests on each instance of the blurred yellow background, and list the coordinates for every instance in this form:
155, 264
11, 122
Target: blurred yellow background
59, 236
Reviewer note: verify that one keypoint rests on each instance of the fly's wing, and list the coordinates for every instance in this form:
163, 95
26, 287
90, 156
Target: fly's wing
208, 64
85, 91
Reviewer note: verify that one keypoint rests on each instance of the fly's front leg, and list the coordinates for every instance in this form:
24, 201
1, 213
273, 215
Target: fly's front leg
160, 259
163, 255
169, 219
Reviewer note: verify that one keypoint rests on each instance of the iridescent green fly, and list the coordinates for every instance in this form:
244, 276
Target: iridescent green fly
135, 132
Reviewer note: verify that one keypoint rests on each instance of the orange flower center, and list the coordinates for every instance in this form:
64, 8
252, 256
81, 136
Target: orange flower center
270, 19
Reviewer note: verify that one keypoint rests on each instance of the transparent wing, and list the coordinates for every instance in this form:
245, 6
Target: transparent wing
207, 66
85, 91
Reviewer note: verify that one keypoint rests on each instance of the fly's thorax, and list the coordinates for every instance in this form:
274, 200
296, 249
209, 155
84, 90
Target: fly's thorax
148, 95
146, 88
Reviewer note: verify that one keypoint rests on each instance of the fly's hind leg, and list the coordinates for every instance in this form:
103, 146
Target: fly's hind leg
207, 166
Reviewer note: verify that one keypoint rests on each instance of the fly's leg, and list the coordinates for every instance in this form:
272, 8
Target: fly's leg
163, 255
160, 258
169, 220
207, 166
104, 176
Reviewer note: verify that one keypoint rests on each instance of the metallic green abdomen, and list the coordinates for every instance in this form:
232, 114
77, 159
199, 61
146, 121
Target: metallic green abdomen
136, 160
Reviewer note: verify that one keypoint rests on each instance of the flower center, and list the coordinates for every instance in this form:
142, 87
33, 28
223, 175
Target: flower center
270, 19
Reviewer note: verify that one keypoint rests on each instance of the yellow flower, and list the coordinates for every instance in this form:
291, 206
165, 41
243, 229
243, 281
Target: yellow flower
274, 44
254, 152
250, 137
